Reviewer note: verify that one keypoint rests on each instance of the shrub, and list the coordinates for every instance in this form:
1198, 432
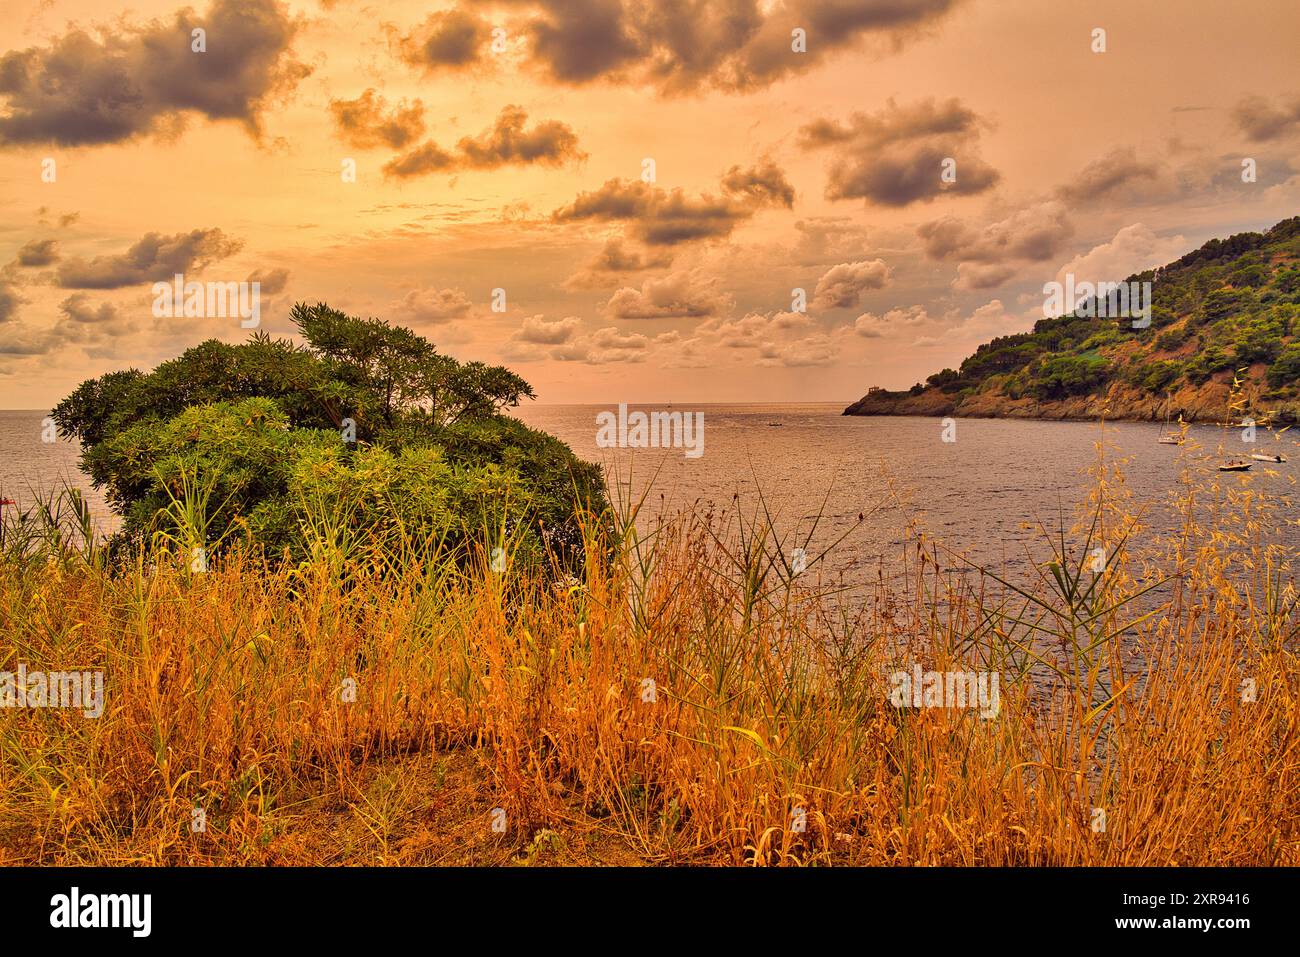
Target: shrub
1063, 376
366, 419
1285, 369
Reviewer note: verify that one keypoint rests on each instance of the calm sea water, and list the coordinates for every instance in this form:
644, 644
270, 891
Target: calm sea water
975, 494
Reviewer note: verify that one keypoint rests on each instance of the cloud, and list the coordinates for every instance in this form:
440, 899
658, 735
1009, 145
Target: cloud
270, 281
9, 302
657, 217
1106, 176
757, 329
38, 252
154, 258
432, 306
538, 330
982, 275
615, 259
872, 326
79, 308
761, 185
987, 322
840, 287
1034, 233
791, 339
678, 295
27, 342
367, 123
820, 351
604, 346
1261, 121
85, 90
450, 39
896, 157
428, 157
827, 239
550, 143
684, 45
1133, 249
507, 142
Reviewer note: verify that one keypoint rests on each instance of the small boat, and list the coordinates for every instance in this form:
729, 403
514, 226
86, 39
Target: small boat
1172, 436
776, 424
1235, 465
1261, 457
7, 501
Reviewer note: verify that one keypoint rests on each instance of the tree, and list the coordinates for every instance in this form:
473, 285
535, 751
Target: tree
365, 417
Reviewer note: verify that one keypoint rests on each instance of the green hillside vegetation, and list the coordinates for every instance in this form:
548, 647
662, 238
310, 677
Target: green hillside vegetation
1230, 308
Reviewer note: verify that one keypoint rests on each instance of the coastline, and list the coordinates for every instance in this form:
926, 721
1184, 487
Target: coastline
1206, 404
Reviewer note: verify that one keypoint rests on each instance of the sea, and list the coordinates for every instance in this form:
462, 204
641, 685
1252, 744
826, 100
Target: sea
984, 489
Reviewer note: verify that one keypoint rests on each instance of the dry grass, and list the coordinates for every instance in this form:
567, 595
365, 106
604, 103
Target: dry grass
522, 691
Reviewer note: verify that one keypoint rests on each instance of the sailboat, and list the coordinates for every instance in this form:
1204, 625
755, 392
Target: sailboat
1171, 438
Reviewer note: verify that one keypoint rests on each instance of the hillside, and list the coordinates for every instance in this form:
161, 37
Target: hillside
1230, 308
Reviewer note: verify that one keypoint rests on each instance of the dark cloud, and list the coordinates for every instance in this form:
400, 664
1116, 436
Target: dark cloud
39, 252
896, 156
1261, 121
154, 258
506, 142
366, 122
577, 41
9, 302
448, 39
270, 281
616, 258
1112, 173
550, 143
683, 45
657, 217
764, 184
80, 309
85, 90
425, 158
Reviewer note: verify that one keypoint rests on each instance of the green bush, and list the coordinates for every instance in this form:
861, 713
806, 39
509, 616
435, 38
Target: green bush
1063, 376
1172, 339
366, 422
1205, 363
1285, 370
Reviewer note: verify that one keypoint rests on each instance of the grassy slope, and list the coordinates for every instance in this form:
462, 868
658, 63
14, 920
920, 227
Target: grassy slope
1230, 308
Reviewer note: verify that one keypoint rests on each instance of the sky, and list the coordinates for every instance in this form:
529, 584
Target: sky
622, 200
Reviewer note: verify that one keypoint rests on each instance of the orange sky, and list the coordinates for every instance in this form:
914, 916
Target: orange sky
521, 169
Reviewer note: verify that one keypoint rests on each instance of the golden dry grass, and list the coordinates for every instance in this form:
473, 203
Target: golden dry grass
523, 691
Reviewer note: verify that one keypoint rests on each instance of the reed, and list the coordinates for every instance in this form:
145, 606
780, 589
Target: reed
690, 697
